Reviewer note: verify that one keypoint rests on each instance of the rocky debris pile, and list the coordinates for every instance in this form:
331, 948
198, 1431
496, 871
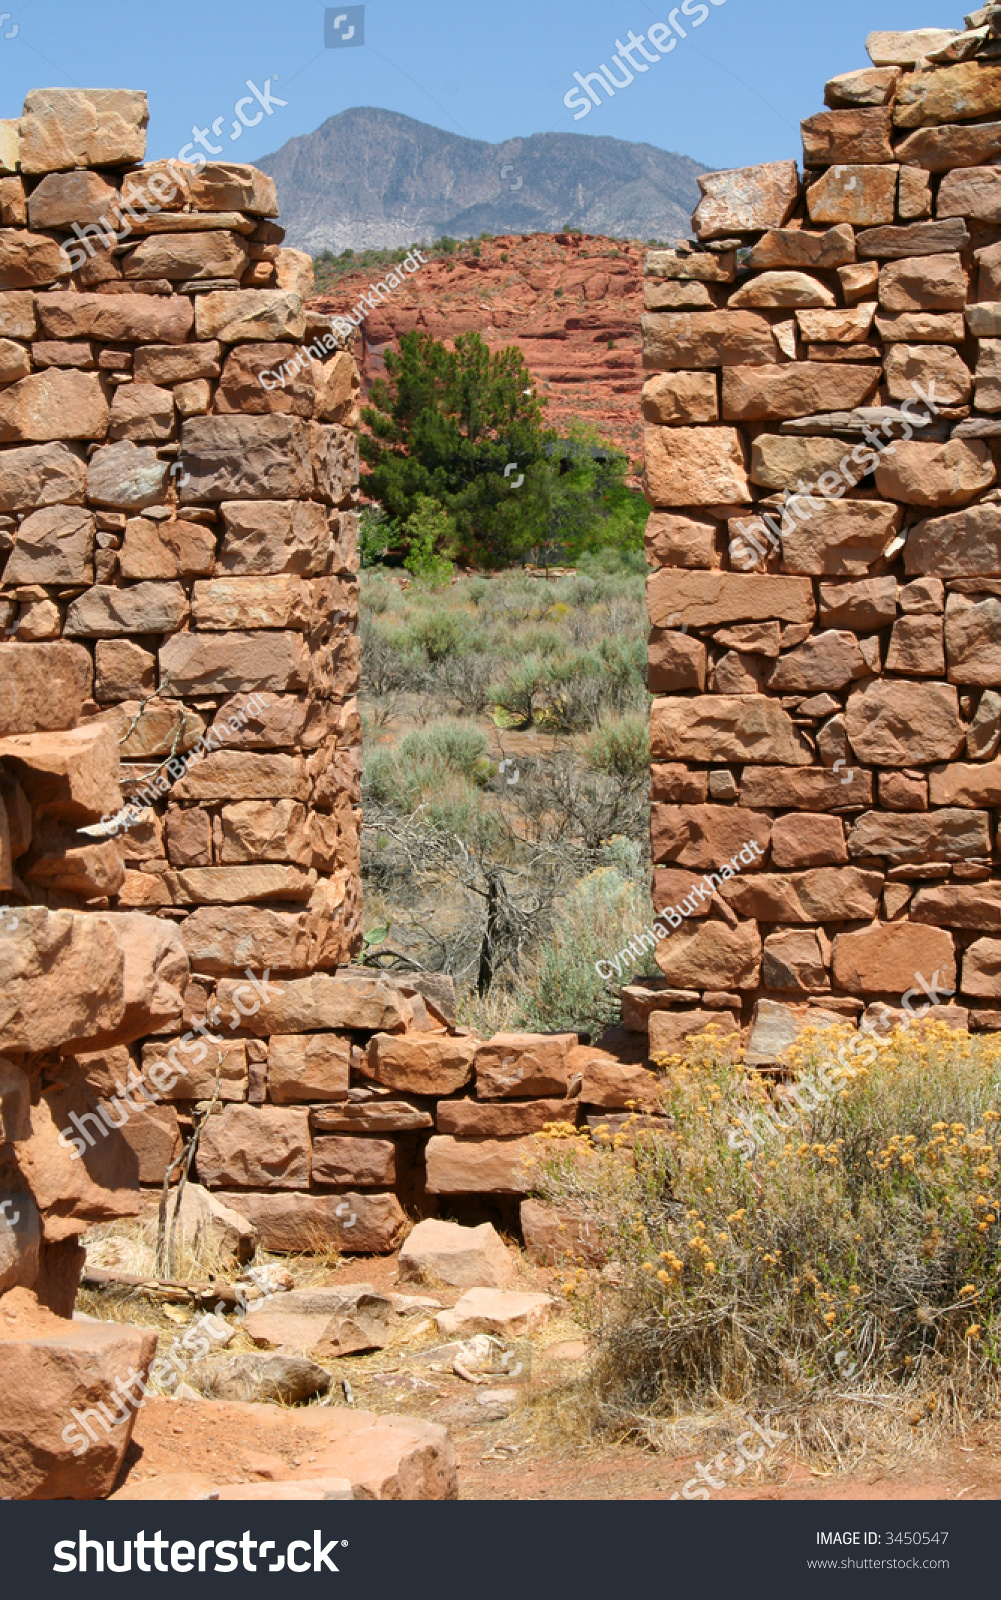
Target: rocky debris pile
822, 447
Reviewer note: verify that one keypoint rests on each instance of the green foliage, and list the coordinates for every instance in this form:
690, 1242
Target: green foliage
428, 534
374, 535
621, 748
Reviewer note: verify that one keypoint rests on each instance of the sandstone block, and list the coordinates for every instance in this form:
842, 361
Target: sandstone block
793, 962
806, 839
250, 382
295, 1222
887, 958
948, 834
865, 196
372, 1116
917, 648
211, 253
956, 905
249, 315
261, 830
694, 466
712, 955
841, 538
90, 1177
862, 607
234, 663
480, 1166
55, 545
925, 283
173, 363
363, 1163
20, 1241
693, 340
198, 1070
682, 265
330, 1321
903, 724
553, 1237
906, 48
518, 1065
861, 135
217, 942
233, 186
970, 192
682, 397
116, 318
322, 1002
800, 389
65, 128
914, 194
125, 476
966, 784
205, 1224
746, 199
704, 838
420, 1063
982, 969
463, 1257
41, 475
503, 1313
255, 1147
825, 661
141, 411
29, 260
821, 894
936, 474
965, 544
153, 550
973, 640
245, 458
674, 661
55, 404
152, 1133
124, 671
59, 1377
908, 365
915, 239
472, 1119
707, 599
872, 86
940, 149
798, 247
671, 1031
103, 612
721, 728
72, 774
850, 325
223, 604
309, 1066
805, 790
272, 536
960, 93
784, 289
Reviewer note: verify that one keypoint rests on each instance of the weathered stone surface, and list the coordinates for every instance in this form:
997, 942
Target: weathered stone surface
903, 724
682, 265
712, 955
17, 315
321, 1003
703, 838
863, 606
172, 363
14, 361
982, 969
55, 545
330, 1321
828, 661
797, 247
949, 834
793, 962
843, 537
41, 475
746, 199
245, 458
813, 790
308, 1066
910, 365
872, 86
821, 894
957, 905
29, 260
65, 128
988, 376
917, 647
847, 136
887, 958
249, 315
800, 389
103, 612
197, 1070
124, 671
807, 839
153, 550
973, 639
899, 48
694, 466
921, 327
153, 1134
222, 604
205, 1224
686, 340
916, 239
72, 774
778, 461
480, 1166
374, 1116
472, 1119
250, 381
141, 412
125, 476
20, 1240
273, 536
55, 404
365, 1163
463, 1257
936, 474
67, 197
966, 784
965, 544
865, 196
914, 194
90, 1175
295, 1222
681, 397
234, 663
850, 325
705, 599
924, 283
233, 186
503, 1313
210, 253
282, 1379
727, 728
971, 192
116, 318
58, 1378
789, 289
671, 1031
553, 1237
217, 942
255, 1147
518, 1065
964, 92
674, 661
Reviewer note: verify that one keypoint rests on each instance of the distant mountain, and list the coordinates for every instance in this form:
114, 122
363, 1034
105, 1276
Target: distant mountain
369, 178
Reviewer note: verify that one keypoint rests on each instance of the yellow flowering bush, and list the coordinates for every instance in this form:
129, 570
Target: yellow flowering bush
852, 1241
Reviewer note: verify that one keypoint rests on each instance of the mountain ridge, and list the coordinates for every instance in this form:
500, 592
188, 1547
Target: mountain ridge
369, 178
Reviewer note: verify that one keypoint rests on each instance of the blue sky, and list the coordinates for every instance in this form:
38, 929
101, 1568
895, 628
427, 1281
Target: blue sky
730, 94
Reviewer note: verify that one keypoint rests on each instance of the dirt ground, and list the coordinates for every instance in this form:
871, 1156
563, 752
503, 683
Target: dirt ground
511, 1433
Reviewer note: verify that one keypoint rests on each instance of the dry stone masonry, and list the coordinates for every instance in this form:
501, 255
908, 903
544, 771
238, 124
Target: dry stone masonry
823, 428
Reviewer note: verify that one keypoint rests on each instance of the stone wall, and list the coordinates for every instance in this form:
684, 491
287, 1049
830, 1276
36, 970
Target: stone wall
826, 545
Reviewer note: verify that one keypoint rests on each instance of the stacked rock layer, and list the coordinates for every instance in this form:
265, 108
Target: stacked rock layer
823, 430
